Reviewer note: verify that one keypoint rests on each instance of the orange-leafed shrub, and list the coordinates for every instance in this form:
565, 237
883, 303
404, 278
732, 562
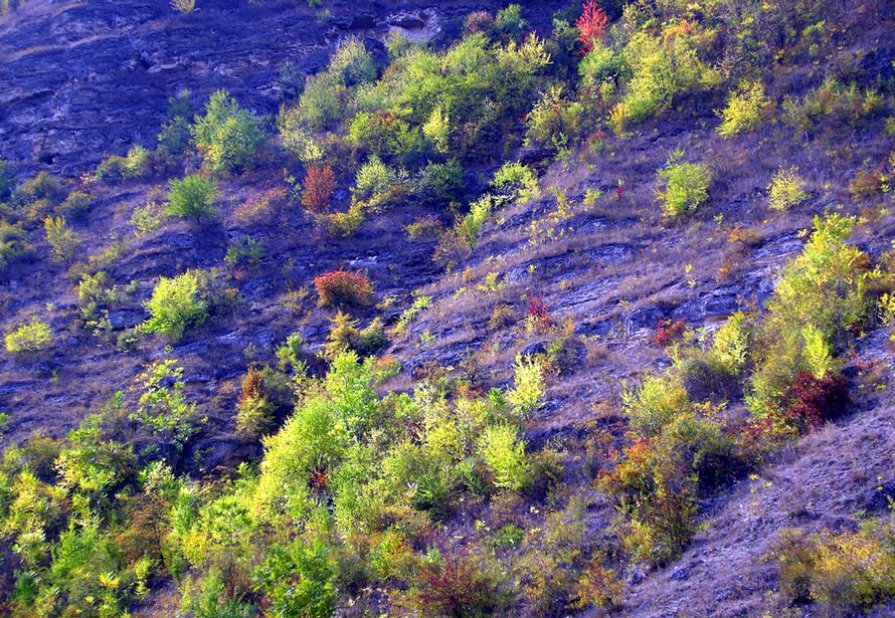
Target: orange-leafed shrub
320, 182
340, 288
592, 23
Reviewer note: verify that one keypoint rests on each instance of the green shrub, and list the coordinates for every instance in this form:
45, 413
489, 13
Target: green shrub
786, 190
227, 136
7, 180
13, 245
658, 400
663, 69
28, 337
516, 181
191, 197
177, 304
75, 205
686, 186
115, 168
847, 573
744, 110
175, 135
442, 183
509, 21
505, 455
44, 186
822, 296
529, 388
61, 239
162, 406
554, 121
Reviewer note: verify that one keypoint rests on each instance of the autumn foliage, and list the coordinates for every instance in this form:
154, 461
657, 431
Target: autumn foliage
320, 182
340, 288
591, 24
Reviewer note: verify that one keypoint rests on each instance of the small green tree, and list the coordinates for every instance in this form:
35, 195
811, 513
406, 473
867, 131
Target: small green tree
177, 304
192, 197
62, 240
227, 136
162, 406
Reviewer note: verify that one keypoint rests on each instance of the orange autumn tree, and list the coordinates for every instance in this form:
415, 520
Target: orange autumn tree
591, 24
320, 182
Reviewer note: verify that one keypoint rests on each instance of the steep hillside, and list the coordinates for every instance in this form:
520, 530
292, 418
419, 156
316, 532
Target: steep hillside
447, 309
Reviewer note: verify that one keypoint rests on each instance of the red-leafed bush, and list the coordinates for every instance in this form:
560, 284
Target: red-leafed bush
592, 23
455, 586
668, 331
538, 312
340, 288
320, 182
815, 401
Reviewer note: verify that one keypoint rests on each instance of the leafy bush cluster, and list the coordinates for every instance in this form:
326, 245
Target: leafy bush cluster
847, 573
783, 365
686, 186
340, 288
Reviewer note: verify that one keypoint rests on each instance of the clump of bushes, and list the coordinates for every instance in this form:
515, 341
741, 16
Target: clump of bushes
846, 573
191, 197
745, 109
686, 186
28, 337
340, 288
227, 136
786, 190
14, 245
822, 296
136, 164
177, 304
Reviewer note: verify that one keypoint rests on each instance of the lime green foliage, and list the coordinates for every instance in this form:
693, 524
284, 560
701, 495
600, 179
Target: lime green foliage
177, 304
162, 406
663, 69
834, 101
516, 181
509, 21
730, 345
227, 136
192, 197
602, 65
63, 242
529, 388
420, 303
554, 121
744, 110
91, 463
847, 573
149, 217
686, 186
786, 190
135, 165
821, 297
28, 337
326, 93
424, 102
504, 454
658, 400
175, 136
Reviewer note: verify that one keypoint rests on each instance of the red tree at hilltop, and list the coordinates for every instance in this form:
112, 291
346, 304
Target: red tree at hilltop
592, 23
